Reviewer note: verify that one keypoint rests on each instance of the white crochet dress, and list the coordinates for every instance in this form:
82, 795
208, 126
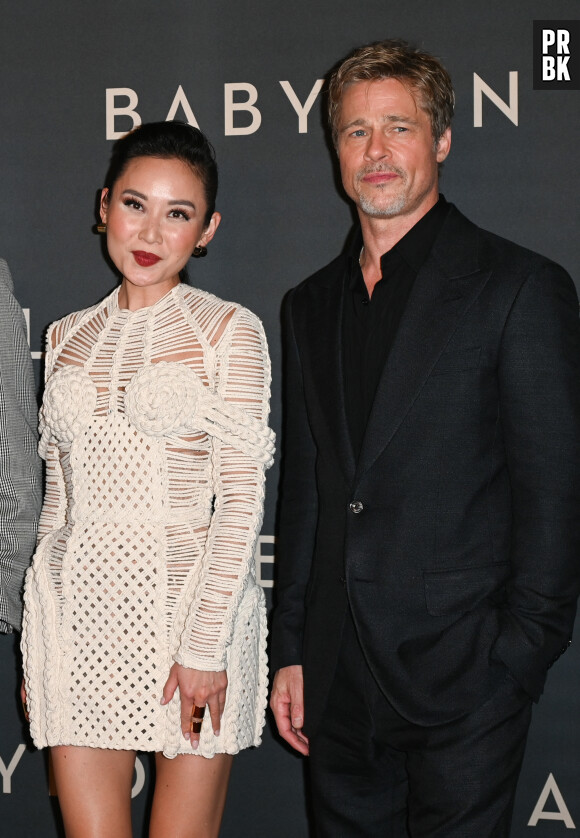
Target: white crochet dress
155, 439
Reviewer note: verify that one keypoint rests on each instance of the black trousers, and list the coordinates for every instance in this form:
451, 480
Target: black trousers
375, 775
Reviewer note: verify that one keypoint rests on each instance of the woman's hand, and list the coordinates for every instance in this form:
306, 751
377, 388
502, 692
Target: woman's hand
23, 699
200, 688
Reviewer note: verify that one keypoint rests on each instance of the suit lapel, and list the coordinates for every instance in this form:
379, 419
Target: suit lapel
324, 339
444, 290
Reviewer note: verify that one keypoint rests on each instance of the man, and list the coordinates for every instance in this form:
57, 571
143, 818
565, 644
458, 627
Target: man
20, 474
429, 538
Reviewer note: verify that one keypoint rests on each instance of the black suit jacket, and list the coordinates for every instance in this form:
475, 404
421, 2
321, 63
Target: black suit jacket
455, 537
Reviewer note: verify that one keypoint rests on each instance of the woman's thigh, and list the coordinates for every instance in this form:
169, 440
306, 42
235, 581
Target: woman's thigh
94, 790
190, 795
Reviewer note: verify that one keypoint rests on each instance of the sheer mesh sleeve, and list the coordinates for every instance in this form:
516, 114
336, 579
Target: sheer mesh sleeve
53, 511
227, 564
54, 505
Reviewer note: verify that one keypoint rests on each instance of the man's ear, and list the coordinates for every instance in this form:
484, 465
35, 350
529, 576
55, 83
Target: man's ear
443, 145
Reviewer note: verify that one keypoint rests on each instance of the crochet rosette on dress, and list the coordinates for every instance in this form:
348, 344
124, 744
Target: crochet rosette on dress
154, 431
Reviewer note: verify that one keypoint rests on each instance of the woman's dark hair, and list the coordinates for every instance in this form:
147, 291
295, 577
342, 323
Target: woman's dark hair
168, 140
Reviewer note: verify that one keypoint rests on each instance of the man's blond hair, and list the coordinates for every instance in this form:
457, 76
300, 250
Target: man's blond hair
421, 73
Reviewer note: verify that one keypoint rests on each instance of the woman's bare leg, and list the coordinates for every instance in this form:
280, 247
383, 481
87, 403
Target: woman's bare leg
190, 795
94, 790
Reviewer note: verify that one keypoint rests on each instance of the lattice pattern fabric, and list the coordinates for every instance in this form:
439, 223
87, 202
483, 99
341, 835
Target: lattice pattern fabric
154, 430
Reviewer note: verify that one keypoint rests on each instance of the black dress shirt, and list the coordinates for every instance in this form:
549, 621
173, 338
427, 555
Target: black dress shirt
370, 324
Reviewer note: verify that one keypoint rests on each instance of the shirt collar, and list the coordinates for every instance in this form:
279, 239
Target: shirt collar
415, 245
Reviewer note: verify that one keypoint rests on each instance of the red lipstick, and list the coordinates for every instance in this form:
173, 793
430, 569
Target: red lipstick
144, 259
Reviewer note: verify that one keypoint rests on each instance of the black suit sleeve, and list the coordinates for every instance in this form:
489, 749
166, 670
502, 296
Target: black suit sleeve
298, 506
539, 378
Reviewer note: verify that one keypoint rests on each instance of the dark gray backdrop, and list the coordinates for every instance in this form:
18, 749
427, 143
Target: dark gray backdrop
283, 217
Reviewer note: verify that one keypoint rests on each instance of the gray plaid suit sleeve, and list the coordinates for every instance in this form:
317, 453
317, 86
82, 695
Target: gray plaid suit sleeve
20, 471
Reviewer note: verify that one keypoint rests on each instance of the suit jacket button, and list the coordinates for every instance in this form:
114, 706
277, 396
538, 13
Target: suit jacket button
356, 507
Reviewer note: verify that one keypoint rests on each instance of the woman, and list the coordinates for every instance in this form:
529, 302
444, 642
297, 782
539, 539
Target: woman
141, 607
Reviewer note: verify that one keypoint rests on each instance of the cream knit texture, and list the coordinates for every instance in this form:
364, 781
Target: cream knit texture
154, 431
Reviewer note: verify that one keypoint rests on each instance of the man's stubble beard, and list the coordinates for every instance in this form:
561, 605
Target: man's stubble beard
395, 207
369, 205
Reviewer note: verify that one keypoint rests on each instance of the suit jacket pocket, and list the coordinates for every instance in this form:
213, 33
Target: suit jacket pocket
458, 360
458, 590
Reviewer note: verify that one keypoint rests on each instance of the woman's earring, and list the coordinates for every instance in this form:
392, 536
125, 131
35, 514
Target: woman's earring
101, 228
199, 251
